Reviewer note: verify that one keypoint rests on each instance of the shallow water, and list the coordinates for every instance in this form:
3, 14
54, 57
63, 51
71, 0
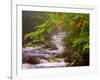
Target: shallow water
45, 65
45, 55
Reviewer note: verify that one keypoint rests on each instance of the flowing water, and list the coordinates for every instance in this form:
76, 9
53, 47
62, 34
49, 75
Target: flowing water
45, 57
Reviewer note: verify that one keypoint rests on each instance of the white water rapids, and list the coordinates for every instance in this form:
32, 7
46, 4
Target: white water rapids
57, 40
44, 54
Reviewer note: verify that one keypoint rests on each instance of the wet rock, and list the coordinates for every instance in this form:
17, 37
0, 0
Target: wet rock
31, 60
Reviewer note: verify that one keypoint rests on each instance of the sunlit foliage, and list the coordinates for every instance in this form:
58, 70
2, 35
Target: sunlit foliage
76, 26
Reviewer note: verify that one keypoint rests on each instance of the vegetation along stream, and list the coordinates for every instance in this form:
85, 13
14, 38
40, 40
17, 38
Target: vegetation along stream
54, 39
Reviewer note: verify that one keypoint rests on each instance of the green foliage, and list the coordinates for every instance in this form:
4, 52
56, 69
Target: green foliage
43, 30
76, 26
80, 42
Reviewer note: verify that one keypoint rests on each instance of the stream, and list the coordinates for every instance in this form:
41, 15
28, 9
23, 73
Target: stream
39, 57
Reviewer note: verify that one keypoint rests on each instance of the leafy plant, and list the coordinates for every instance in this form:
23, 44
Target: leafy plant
76, 26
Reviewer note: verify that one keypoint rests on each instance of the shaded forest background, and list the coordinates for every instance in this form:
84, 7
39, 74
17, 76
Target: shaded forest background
39, 26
